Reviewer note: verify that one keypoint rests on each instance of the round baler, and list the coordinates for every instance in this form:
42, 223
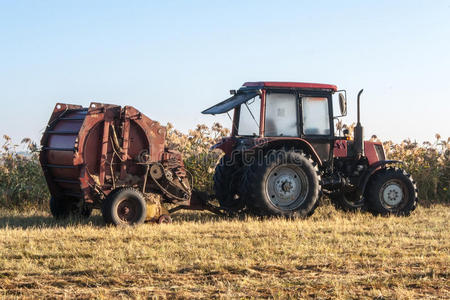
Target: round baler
112, 158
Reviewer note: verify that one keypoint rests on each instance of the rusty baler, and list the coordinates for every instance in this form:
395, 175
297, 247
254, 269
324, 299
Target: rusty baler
113, 158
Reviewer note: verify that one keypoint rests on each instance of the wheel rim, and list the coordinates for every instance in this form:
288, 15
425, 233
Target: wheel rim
128, 210
392, 193
164, 219
287, 187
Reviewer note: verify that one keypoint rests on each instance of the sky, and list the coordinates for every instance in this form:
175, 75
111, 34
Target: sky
173, 59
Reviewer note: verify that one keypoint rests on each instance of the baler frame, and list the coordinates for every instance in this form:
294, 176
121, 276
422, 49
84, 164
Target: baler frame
87, 153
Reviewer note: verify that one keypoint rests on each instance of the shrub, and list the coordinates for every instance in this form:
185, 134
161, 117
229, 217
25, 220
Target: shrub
195, 147
22, 183
428, 163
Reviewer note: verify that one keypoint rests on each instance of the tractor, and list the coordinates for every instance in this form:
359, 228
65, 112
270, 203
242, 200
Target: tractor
283, 155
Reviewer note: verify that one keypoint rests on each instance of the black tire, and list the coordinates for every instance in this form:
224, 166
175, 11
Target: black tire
265, 190
85, 211
61, 208
104, 207
348, 201
124, 206
391, 191
226, 185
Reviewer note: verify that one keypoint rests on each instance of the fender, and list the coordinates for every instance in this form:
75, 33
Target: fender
230, 144
226, 145
371, 170
288, 141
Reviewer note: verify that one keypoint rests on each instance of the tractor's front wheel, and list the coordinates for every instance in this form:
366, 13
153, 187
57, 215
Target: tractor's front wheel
392, 191
285, 183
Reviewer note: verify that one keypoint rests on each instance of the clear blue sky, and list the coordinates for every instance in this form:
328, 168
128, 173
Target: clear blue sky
173, 59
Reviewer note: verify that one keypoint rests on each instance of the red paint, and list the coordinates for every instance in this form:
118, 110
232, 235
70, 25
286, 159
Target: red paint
126, 142
270, 140
104, 151
262, 118
370, 152
340, 148
226, 145
304, 85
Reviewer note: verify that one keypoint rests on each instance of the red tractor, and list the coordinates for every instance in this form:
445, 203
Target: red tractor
283, 155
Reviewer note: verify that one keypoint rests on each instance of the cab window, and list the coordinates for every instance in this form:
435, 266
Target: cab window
316, 119
249, 117
281, 115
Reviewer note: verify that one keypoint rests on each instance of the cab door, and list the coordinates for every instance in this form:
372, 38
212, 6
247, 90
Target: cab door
317, 123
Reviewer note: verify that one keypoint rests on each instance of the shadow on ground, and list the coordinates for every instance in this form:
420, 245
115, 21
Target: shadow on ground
10, 219
40, 219
204, 216
43, 221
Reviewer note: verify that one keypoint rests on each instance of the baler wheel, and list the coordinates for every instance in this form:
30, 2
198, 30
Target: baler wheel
164, 219
61, 208
125, 206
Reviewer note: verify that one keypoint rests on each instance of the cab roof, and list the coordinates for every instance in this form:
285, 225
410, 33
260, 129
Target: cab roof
280, 84
250, 90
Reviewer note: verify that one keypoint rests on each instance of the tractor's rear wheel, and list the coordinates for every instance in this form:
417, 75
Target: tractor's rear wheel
392, 191
125, 206
285, 183
227, 177
348, 201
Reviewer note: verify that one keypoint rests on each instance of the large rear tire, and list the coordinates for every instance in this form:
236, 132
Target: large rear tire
392, 191
285, 183
125, 206
227, 179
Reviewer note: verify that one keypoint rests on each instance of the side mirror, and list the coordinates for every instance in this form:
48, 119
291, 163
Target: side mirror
343, 104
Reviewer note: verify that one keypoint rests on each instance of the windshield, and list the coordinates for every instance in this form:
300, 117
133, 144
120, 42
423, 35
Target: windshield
249, 117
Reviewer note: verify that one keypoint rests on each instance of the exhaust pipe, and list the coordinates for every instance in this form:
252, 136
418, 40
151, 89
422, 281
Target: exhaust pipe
359, 132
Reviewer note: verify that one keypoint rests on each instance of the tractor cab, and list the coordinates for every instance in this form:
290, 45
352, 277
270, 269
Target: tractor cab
283, 111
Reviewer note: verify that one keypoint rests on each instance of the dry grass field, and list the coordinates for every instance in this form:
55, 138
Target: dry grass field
330, 255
